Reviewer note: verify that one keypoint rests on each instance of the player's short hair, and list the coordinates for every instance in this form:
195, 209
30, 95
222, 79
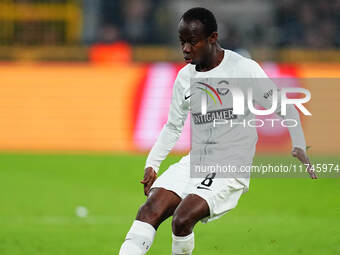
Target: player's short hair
203, 15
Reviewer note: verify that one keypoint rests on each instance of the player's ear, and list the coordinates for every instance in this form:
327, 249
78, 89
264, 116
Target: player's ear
213, 37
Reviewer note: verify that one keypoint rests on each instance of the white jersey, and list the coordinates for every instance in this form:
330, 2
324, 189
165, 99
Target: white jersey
236, 142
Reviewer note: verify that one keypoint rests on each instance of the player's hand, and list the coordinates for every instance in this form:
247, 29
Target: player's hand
149, 177
302, 156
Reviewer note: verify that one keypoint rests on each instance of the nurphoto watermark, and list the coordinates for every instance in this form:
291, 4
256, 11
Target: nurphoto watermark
226, 114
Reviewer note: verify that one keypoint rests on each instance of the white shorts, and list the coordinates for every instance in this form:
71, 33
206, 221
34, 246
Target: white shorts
221, 194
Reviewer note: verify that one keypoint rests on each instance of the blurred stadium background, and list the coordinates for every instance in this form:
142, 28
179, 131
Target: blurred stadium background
85, 87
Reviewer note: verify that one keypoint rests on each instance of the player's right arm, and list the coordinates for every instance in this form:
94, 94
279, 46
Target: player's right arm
169, 135
150, 176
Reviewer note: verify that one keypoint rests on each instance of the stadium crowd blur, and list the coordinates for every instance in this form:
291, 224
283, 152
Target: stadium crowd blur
287, 23
78, 28
309, 23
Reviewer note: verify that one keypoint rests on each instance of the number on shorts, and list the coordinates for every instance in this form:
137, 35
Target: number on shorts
208, 179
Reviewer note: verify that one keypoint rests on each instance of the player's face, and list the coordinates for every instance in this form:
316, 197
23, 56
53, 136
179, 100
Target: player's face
195, 45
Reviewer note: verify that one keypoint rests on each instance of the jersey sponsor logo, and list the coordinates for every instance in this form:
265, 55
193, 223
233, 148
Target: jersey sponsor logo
222, 114
209, 93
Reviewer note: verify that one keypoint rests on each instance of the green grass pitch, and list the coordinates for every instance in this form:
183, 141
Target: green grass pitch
40, 193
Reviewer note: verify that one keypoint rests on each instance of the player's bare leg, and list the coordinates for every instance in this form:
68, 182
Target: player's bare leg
191, 209
160, 205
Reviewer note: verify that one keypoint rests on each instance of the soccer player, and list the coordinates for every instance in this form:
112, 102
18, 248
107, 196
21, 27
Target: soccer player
175, 193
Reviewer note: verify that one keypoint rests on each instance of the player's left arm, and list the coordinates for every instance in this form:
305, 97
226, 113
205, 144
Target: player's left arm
302, 156
263, 95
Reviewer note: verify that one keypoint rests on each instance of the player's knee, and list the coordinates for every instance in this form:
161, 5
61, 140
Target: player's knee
182, 224
149, 213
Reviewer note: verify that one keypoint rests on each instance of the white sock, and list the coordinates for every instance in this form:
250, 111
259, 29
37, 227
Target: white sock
182, 244
139, 239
